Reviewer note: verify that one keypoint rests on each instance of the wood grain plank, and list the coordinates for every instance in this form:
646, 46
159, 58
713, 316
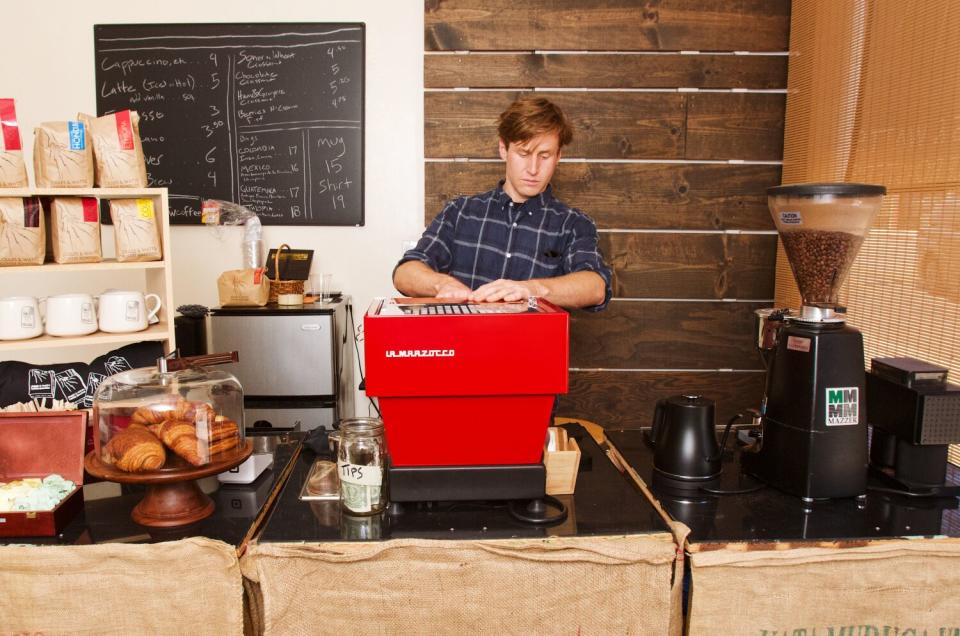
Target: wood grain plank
606, 125
624, 25
623, 399
658, 265
604, 70
632, 196
735, 126
612, 125
666, 335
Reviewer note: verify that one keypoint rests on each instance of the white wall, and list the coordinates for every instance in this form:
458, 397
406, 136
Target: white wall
48, 67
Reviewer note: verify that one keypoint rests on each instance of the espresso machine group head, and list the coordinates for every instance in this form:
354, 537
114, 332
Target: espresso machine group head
813, 437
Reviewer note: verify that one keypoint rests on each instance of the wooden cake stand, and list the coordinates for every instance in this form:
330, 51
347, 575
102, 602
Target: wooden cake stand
173, 497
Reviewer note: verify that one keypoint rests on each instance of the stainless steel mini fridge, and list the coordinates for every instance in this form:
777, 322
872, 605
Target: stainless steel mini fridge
296, 363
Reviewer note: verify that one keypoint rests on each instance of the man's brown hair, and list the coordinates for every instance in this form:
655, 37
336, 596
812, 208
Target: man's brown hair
529, 117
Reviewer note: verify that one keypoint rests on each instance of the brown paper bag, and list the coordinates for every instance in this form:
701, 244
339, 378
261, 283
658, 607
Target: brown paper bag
62, 155
243, 288
117, 150
135, 230
22, 239
75, 230
13, 172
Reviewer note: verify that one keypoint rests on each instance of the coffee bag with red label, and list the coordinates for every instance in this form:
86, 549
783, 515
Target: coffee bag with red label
21, 231
117, 149
75, 230
13, 172
243, 288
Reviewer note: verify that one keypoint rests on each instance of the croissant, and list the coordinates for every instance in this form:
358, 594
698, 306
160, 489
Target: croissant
201, 412
181, 437
223, 445
187, 411
218, 436
217, 429
153, 413
135, 450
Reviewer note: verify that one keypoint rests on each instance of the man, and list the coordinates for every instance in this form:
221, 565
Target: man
516, 240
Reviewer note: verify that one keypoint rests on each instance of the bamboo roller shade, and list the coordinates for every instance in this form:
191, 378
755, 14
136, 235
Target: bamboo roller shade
874, 97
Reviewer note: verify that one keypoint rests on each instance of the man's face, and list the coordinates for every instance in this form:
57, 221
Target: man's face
530, 165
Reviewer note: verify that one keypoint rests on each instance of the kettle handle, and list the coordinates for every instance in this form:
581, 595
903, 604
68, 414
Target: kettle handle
658, 412
723, 440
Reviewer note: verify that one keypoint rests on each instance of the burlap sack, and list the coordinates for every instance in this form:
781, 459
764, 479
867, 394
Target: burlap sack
117, 151
679, 531
22, 238
568, 585
243, 288
13, 171
75, 230
136, 233
62, 155
191, 586
869, 588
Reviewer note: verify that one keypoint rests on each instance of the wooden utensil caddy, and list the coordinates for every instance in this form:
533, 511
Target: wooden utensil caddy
563, 463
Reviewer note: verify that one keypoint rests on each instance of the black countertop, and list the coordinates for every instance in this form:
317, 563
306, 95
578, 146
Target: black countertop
108, 520
605, 503
771, 515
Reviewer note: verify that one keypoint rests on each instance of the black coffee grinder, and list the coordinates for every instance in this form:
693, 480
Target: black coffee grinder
915, 415
813, 436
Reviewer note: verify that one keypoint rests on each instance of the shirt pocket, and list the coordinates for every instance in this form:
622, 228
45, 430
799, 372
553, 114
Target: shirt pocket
550, 262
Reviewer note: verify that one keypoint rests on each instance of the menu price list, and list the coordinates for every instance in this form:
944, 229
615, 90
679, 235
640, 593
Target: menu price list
269, 116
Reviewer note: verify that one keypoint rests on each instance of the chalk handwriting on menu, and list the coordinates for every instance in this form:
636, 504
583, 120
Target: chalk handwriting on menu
267, 115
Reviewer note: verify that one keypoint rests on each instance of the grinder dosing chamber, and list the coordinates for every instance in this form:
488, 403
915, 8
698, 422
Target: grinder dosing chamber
822, 226
813, 439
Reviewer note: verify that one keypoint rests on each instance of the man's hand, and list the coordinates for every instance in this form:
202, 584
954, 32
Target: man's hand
452, 289
508, 290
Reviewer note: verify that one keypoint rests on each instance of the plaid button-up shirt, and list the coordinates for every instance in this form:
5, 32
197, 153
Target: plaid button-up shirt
485, 237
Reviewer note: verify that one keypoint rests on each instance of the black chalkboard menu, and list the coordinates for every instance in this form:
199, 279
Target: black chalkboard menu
266, 115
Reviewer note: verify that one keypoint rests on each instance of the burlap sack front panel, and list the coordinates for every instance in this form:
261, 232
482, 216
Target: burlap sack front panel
887, 587
602, 585
181, 587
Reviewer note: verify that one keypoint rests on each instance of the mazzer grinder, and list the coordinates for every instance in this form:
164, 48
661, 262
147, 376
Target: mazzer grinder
813, 435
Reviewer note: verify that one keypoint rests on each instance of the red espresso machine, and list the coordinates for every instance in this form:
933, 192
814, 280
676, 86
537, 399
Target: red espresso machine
466, 393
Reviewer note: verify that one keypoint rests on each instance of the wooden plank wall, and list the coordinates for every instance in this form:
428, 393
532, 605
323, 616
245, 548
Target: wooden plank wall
678, 110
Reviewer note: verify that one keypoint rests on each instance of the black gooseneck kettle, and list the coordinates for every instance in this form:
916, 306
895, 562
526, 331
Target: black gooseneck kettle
684, 438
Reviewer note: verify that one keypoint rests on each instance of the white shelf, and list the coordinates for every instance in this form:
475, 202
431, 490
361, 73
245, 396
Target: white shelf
157, 274
160, 331
105, 264
102, 193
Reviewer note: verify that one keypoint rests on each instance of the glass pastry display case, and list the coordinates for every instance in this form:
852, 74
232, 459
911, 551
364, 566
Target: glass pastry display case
166, 427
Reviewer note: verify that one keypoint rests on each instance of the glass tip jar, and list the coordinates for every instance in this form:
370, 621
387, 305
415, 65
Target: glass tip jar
362, 464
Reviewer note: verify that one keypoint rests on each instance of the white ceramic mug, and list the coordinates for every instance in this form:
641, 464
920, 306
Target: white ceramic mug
20, 318
126, 311
70, 314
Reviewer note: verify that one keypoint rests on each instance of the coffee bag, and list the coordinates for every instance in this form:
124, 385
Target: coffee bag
21, 232
117, 151
13, 172
243, 288
136, 233
62, 155
75, 230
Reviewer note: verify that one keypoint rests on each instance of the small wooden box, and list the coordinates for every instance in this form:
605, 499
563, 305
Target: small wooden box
37, 445
562, 464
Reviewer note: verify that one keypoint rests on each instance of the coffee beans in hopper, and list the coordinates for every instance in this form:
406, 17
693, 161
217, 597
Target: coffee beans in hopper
820, 261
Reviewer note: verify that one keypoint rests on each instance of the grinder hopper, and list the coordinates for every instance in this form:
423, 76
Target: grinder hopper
822, 226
